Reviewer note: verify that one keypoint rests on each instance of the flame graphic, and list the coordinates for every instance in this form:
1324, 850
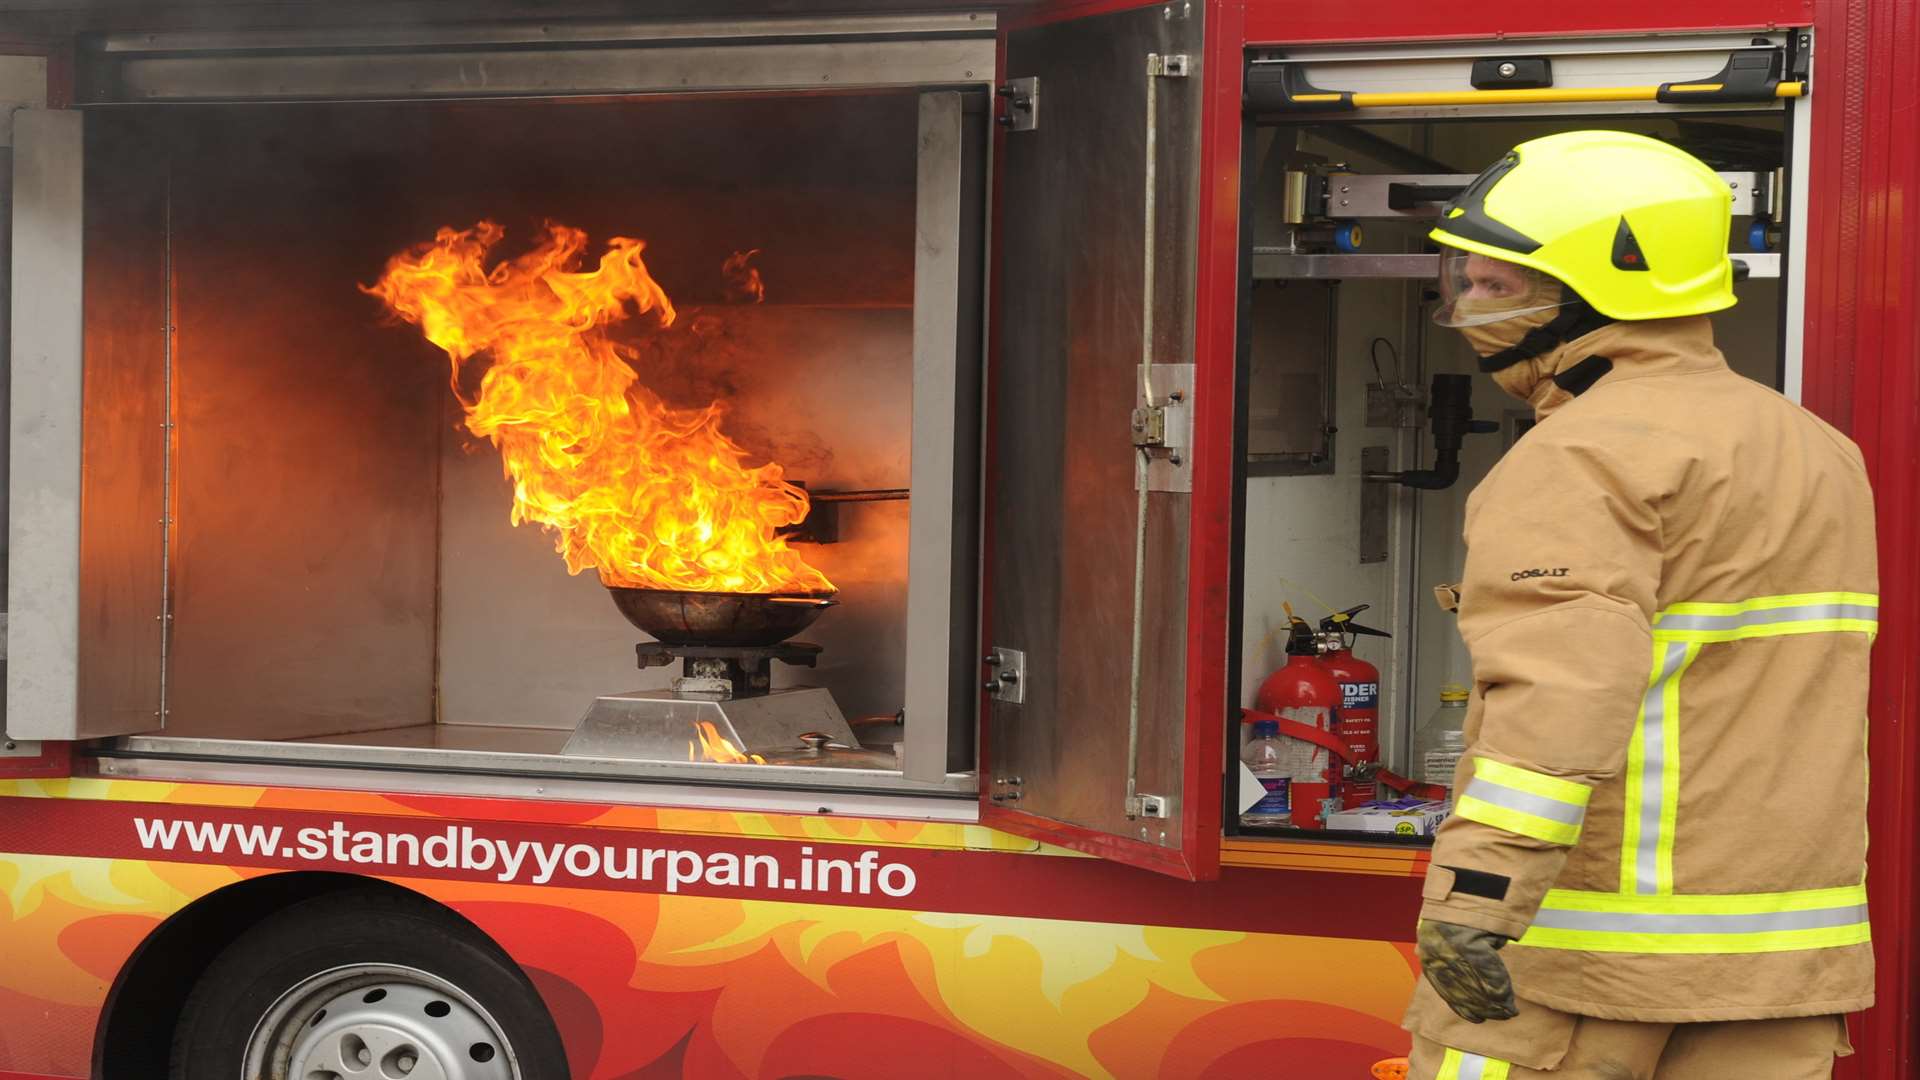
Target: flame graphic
717, 747
652, 496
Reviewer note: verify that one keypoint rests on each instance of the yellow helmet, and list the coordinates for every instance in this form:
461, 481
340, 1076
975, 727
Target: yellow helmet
1637, 227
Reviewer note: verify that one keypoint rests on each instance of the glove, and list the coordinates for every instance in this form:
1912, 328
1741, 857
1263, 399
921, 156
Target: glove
1461, 964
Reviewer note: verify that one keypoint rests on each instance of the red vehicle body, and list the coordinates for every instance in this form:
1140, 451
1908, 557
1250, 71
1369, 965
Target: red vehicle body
994, 941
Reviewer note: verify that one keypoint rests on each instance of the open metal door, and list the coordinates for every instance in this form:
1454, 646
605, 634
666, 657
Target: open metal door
86, 604
1087, 738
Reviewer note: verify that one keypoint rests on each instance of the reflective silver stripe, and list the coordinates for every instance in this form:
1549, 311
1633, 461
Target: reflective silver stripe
1653, 788
1525, 801
1658, 923
1768, 617
1472, 1066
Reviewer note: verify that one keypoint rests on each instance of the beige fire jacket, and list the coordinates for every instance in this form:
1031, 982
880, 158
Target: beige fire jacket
1669, 598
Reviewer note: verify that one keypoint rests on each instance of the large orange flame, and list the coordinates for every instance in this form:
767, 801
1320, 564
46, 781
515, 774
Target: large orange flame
652, 496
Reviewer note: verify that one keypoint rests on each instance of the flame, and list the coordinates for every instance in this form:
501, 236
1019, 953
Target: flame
717, 747
652, 496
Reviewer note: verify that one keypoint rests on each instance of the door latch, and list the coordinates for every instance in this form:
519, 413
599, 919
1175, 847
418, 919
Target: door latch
1174, 66
1153, 806
1150, 426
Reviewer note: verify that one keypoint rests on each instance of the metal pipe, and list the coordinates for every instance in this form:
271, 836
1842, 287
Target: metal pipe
1141, 460
1143, 456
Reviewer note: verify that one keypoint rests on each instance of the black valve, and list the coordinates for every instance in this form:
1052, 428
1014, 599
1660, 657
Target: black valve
1341, 622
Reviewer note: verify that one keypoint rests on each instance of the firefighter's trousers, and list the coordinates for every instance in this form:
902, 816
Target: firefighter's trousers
1800, 1048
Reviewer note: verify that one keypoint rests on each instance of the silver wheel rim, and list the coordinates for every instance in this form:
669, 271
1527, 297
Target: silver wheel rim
378, 1022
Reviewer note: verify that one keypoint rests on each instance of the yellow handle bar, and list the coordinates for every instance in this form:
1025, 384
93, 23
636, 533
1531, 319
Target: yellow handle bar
1545, 96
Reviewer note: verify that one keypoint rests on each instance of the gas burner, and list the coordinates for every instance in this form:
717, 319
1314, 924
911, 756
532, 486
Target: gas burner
725, 671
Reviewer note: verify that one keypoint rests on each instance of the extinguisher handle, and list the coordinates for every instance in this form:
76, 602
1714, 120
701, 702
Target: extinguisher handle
1415, 788
1294, 729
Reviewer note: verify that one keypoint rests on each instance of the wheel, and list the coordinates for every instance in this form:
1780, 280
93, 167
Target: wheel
364, 986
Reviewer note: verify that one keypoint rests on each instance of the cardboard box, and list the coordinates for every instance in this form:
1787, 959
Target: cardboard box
1405, 817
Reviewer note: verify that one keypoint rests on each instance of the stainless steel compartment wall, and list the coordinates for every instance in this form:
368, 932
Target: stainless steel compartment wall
123, 511
1061, 487
306, 455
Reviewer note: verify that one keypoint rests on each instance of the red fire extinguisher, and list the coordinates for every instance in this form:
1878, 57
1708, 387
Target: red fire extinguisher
1358, 720
1304, 699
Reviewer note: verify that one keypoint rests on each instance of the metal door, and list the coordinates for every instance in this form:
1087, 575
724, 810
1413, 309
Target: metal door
1089, 487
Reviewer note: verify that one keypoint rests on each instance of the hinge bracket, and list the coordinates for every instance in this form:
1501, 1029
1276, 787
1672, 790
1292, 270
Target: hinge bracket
1006, 675
1023, 104
1169, 66
1150, 806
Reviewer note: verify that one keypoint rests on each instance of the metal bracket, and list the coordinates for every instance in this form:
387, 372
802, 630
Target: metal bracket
1023, 104
1152, 806
1164, 427
1007, 675
1374, 508
19, 748
1174, 66
1396, 405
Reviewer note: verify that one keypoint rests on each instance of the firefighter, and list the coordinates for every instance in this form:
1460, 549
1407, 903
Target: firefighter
1656, 862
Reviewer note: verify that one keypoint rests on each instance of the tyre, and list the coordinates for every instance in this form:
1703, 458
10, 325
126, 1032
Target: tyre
364, 986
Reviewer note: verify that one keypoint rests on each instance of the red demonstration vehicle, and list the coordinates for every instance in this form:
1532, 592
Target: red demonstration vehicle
556, 541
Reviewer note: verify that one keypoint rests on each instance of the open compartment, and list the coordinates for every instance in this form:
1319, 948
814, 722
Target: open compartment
1350, 385
618, 435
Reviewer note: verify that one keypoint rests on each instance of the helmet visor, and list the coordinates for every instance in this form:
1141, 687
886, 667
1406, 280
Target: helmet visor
1477, 289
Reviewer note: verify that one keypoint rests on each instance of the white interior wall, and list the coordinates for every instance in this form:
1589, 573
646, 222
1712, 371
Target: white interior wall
1303, 532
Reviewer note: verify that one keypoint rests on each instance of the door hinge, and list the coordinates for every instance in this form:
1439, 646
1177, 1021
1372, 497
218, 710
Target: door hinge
1023, 104
1170, 66
19, 747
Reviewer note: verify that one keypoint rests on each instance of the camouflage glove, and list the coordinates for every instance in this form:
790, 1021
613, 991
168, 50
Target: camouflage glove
1462, 965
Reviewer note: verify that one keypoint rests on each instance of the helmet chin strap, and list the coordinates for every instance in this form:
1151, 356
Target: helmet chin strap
1576, 319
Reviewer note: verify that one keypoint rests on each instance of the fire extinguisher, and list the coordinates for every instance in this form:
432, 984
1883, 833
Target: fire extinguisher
1304, 698
1358, 721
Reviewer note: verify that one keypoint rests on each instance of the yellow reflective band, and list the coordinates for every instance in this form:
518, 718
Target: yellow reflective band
1670, 778
1459, 1065
1770, 616
1701, 924
1516, 821
1646, 786
1524, 802
1766, 603
1533, 783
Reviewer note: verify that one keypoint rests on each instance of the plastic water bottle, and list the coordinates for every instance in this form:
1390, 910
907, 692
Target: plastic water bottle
1265, 756
1442, 739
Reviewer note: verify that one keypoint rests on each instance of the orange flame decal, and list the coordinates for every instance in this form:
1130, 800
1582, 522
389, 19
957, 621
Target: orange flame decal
717, 747
652, 496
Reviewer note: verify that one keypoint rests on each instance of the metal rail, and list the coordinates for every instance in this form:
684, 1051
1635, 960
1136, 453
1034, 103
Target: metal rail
1542, 96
